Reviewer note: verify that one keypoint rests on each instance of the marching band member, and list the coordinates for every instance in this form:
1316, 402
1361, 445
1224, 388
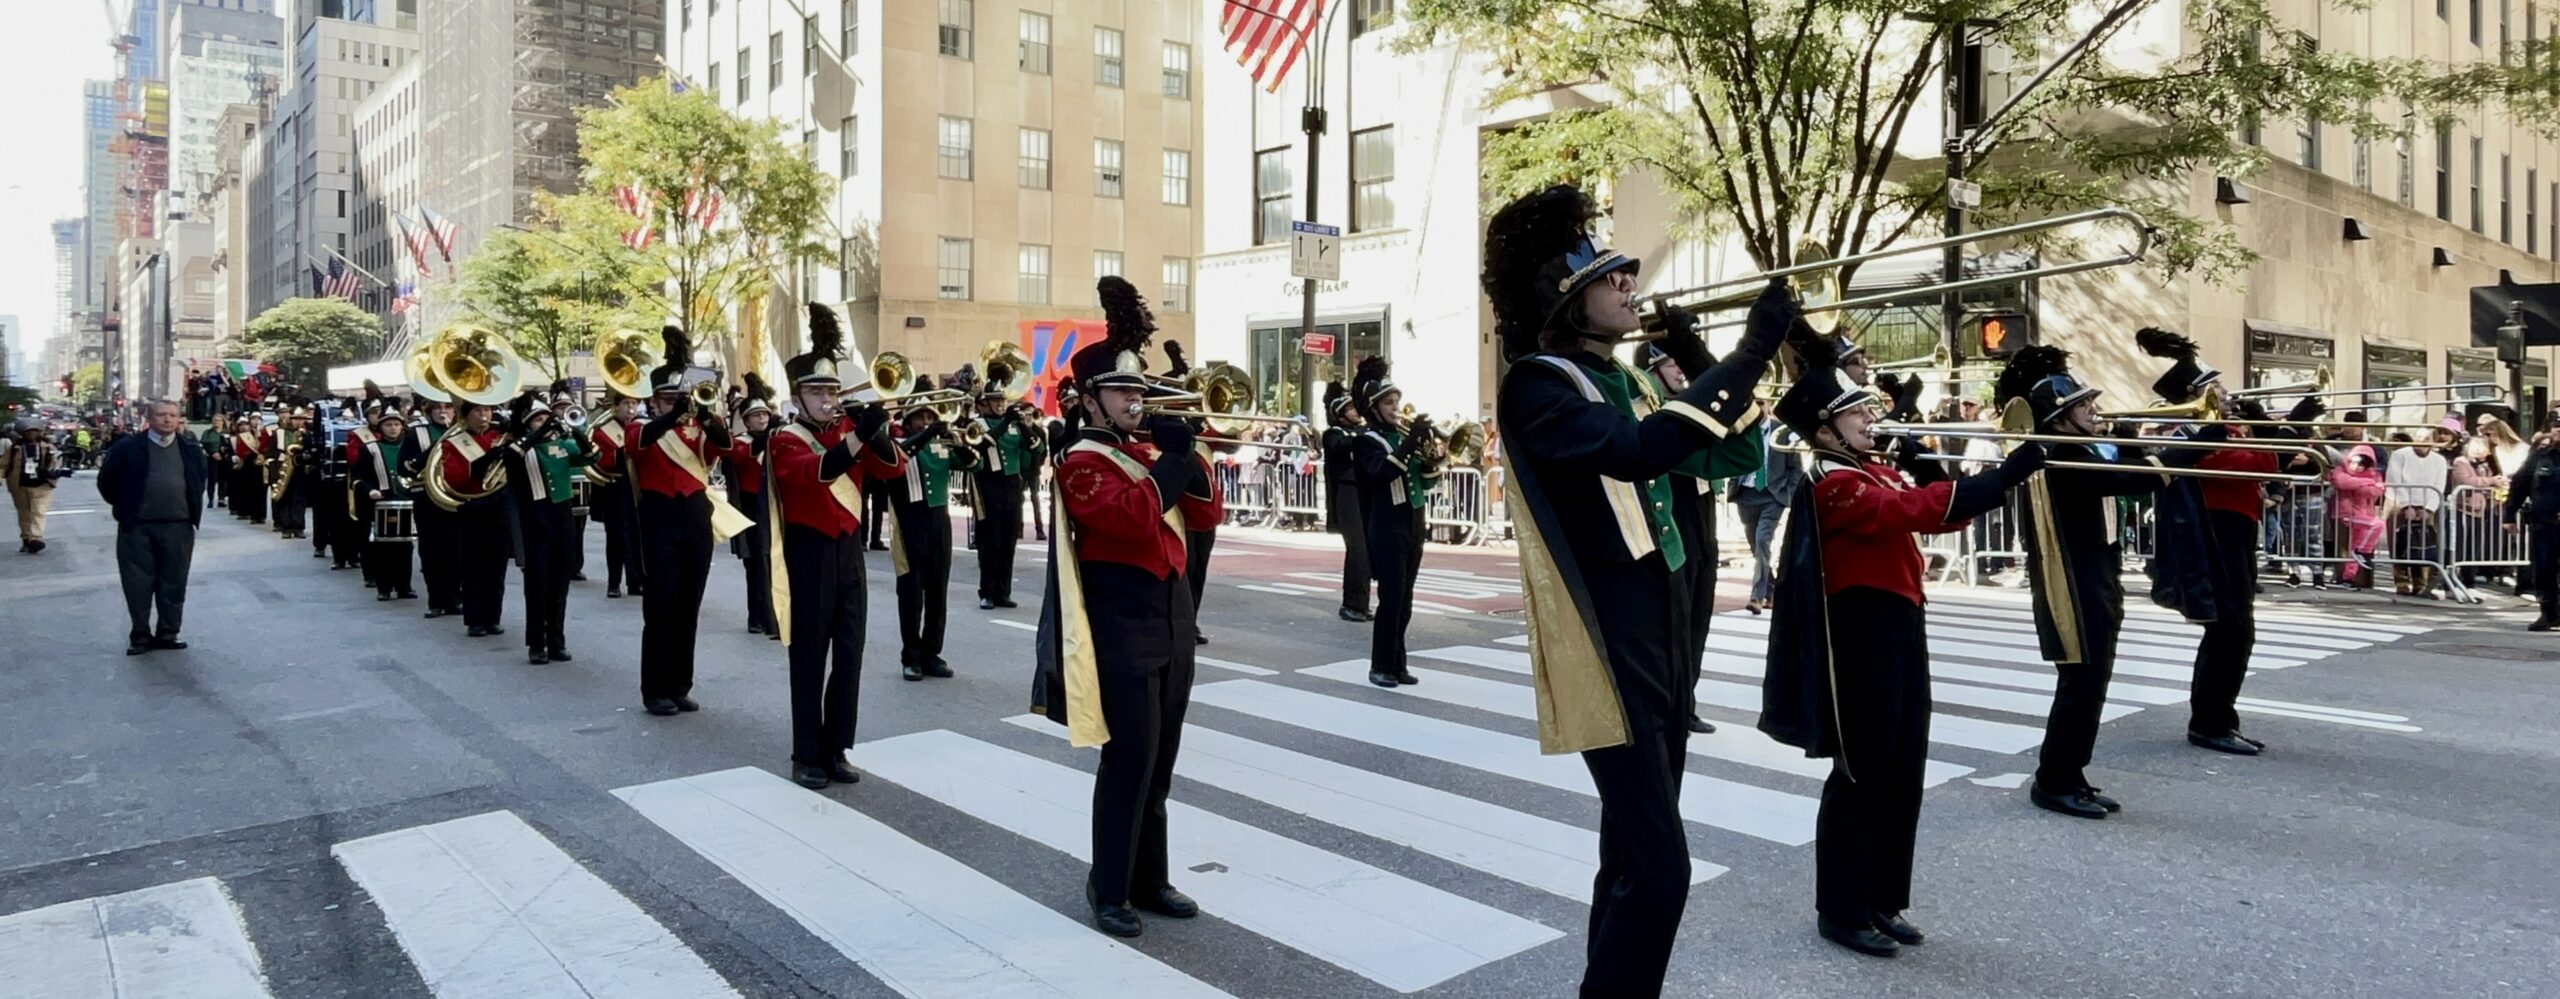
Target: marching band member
567, 416
439, 557
1116, 643
540, 458
672, 455
1589, 470
1668, 362
1013, 452
332, 500
357, 529
217, 456
612, 494
1396, 464
376, 472
1849, 645
472, 460
287, 480
754, 546
816, 465
1342, 499
248, 469
922, 503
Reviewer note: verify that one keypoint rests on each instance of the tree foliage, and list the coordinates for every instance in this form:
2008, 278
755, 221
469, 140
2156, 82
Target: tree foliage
668, 143
1776, 120
550, 295
89, 383
304, 337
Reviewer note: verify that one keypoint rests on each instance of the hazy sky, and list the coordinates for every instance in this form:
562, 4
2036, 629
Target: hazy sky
46, 49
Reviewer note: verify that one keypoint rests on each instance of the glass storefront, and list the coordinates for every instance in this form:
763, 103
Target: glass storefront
2283, 358
2388, 367
1287, 381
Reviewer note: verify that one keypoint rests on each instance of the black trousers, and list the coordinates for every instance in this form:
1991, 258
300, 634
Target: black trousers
152, 561
2071, 731
1395, 555
1142, 636
481, 543
675, 540
440, 555
215, 473
1643, 884
578, 544
999, 533
1870, 819
328, 501
875, 514
755, 555
621, 544
829, 610
2545, 541
549, 534
1196, 548
249, 493
1343, 510
286, 513
924, 590
2222, 656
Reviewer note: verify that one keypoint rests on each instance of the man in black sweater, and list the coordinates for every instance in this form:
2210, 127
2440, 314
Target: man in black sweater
155, 482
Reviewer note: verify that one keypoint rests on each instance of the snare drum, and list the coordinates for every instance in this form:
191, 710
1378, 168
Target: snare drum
395, 520
581, 494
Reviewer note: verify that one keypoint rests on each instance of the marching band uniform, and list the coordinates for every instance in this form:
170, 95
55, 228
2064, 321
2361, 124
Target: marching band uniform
814, 501
282, 440
539, 466
1848, 660
248, 476
1205, 506
1116, 643
473, 462
672, 473
331, 504
754, 546
1012, 454
921, 500
612, 495
377, 468
1692, 493
358, 530
1396, 478
439, 530
1342, 500
1589, 465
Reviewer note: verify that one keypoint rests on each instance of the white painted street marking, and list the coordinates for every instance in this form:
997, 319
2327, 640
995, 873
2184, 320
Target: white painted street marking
1731, 743
1519, 640
2150, 658
1397, 932
1530, 849
2180, 640
1952, 730
1259, 588
2041, 682
2269, 617
1771, 815
1015, 625
924, 924
180, 941
1244, 668
487, 906
1477, 655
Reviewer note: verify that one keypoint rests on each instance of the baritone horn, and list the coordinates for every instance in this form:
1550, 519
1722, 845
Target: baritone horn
1011, 356
422, 375
475, 364
625, 357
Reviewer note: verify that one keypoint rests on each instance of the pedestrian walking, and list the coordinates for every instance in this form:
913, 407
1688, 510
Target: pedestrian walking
34, 465
155, 483
217, 453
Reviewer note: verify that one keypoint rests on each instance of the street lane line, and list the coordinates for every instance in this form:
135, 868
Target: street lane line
1772, 815
2335, 719
1737, 665
2180, 662
1395, 931
1948, 729
1477, 655
1731, 743
1519, 640
1533, 850
922, 923
1244, 668
2182, 640
2268, 618
183, 940
486, 906
2324, 709
1016, 625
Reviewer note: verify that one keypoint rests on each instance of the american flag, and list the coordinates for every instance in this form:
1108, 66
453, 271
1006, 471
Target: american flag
442, 229
407, 298
639, 205
416, 242
1267, 36
342, 282
702, 206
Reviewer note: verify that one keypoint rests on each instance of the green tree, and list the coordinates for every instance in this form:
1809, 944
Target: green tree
549, 294
1777, 120
304, 337
669, 143
89, 383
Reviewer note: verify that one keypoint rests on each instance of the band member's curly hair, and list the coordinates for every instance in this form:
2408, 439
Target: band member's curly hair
1522, 238
2027, 367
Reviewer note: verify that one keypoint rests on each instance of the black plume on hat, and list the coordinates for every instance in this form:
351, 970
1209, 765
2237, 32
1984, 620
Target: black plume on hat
1120, 356
1368, 380
2158, 342
1173, 352
1519, 242
372, 391
2027, 367
758, 388
1336, 399
670, 373
1124, 311
520, 409
826, 336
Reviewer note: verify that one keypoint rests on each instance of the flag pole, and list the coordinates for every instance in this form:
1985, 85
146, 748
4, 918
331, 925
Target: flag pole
351, 265
1311, 121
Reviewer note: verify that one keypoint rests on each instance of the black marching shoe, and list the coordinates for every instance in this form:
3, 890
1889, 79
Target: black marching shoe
2539, 624
134, 648
1198, 639
1405, 678
1863, 939
1382, 678
613, 593
537, 657
577, 577
2248, 740
842, 772
408, 595
480, 632
497, 629
435, 612
167, 643
383, 597
1117, 920
2110, 804
986, 604
660, 706
1353, 616
1901, 930
1167, 901
684, 703
2077, 804
2231, 744
559, 655
1701, 726
1002, 603
911, 671
808, 776
938, 669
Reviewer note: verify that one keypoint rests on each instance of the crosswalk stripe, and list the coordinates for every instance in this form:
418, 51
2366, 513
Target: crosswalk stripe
1520, 640
1395, 931
1730, 743
1530, 849
2143, 668
2149, 634
2279, 621
2314, 713
1775, 816
2041, 682
184, 939
926, 925
2180, 661
487, 906
1244, 668
1477, 655
1944, 728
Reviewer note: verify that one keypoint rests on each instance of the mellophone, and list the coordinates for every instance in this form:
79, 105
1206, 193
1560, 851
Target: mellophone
395, 520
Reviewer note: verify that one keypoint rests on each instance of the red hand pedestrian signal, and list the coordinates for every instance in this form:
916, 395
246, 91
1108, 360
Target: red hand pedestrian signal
2001, 334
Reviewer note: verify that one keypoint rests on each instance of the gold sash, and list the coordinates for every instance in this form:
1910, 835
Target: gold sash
1085, 726
846, 495
726, 521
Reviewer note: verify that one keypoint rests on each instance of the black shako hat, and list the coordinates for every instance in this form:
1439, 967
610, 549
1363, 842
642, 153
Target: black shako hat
1120, 357
668, 377
2187, 377
1539, 254
1821, 390
2042, 376
826, 347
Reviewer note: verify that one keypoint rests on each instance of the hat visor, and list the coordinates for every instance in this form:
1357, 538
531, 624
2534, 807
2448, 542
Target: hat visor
1611, 264
2063, 405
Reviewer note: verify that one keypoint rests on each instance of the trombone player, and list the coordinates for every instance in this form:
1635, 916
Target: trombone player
671, 469
1010, 451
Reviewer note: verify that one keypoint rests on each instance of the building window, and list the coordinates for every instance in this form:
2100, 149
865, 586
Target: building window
1373, 172
2475, 22
2444, 10
1106, 263
848, 148
1035, 159
715, 82
2477, 168
2505, 11
809, 45
1106, 56
852, 41
773, 61
845, 270
1177, 285
1106, 168
2444, 170
1177, 70
958, 141
809, 146
746, 75
957, 17
1034, 57
2532, 209
715, 6
1370, 15
1273, 191
2408, 167
1177, 176
951, 269
2506, 199
2362, 155
1031, 282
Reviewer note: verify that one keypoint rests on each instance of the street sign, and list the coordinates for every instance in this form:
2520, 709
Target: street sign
1315, 251
1317, 344
1964, 194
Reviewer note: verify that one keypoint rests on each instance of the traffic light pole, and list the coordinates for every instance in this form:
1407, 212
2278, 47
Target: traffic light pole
1951, 264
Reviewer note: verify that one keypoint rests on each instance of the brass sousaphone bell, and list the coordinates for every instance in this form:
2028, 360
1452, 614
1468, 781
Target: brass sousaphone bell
624, 359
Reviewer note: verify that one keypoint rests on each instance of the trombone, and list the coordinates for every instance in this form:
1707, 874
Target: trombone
1981, 431
1818, 282
2205, 411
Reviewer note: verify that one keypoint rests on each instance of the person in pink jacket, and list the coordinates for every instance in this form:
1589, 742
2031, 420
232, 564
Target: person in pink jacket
2358, 508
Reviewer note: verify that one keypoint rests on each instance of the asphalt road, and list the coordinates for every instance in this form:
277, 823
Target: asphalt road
392, 809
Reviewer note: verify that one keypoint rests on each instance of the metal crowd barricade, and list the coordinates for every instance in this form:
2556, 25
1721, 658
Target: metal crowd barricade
1458, 503
1297, 493
2478, 536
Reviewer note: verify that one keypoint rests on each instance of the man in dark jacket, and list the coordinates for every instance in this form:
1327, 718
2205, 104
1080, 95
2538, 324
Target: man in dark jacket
2533, 500
155, 482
